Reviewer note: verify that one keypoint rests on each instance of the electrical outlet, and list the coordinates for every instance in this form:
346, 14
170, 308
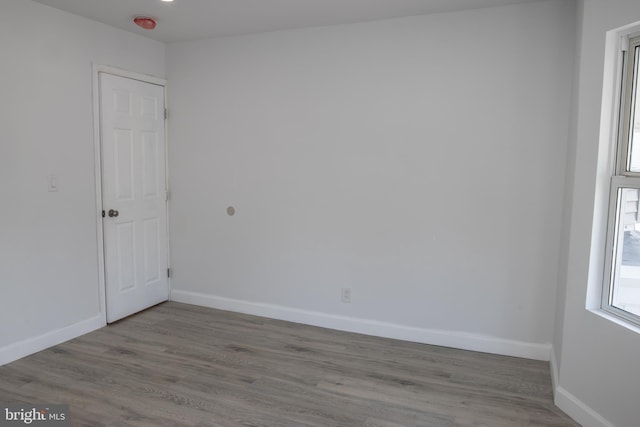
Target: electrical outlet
346, 294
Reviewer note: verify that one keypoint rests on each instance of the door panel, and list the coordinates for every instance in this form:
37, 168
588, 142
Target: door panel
123, 164
126, 262
134, 194
151, 253
150, 165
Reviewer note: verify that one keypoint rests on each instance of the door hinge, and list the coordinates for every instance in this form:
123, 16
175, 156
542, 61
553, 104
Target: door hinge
103, 214
166, 113
168, 272
167, 195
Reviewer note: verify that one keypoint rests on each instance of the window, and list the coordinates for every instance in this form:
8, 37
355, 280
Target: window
621, 294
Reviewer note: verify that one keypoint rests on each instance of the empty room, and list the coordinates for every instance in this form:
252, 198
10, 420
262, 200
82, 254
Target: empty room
320, 213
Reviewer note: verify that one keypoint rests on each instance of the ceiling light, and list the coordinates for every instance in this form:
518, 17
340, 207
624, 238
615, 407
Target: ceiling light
145, 22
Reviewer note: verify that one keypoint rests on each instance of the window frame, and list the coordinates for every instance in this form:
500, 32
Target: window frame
630, 67
622, 177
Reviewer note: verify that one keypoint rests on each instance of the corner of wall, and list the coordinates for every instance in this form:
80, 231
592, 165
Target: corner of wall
578, 410
553, 366
569, 403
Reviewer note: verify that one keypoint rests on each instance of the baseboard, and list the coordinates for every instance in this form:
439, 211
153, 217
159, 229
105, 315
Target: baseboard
570, 404
461, 340
578, 410
33, 345
553, 366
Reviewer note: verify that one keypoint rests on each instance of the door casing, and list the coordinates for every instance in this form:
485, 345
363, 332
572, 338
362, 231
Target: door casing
97, 69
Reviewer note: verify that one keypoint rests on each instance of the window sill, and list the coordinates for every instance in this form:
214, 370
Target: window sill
615, 319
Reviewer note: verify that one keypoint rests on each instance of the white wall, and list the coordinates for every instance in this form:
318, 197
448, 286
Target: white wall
418, 161
390, 157
599, 379
48, 243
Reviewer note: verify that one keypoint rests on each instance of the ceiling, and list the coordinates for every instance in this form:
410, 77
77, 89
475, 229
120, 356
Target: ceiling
185, 20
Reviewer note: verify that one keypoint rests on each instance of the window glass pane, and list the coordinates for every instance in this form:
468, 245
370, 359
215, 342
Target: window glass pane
634, 125
625, 293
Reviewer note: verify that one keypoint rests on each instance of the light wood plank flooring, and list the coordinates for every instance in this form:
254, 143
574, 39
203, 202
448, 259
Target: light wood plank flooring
182, 365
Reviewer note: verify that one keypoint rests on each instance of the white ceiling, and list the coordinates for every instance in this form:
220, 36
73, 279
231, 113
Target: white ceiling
185, 20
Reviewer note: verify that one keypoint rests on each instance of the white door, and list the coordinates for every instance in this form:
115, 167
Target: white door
134, 194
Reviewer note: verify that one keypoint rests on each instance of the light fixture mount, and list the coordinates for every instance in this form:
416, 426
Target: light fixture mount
145, 22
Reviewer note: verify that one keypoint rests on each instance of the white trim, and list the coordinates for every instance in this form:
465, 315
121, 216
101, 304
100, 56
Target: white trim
97, 148
571, 405
147, 78
617, 107
167, 186
555, 376
102, 290
29, 346
462, 340
578, 410
618, 320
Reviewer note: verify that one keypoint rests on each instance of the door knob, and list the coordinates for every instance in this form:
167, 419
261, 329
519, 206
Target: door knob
113, 213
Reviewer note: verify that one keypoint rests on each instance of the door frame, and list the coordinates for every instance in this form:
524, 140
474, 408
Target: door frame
97, 148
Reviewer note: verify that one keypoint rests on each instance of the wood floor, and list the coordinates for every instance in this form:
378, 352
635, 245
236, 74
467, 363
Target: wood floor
181, 365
